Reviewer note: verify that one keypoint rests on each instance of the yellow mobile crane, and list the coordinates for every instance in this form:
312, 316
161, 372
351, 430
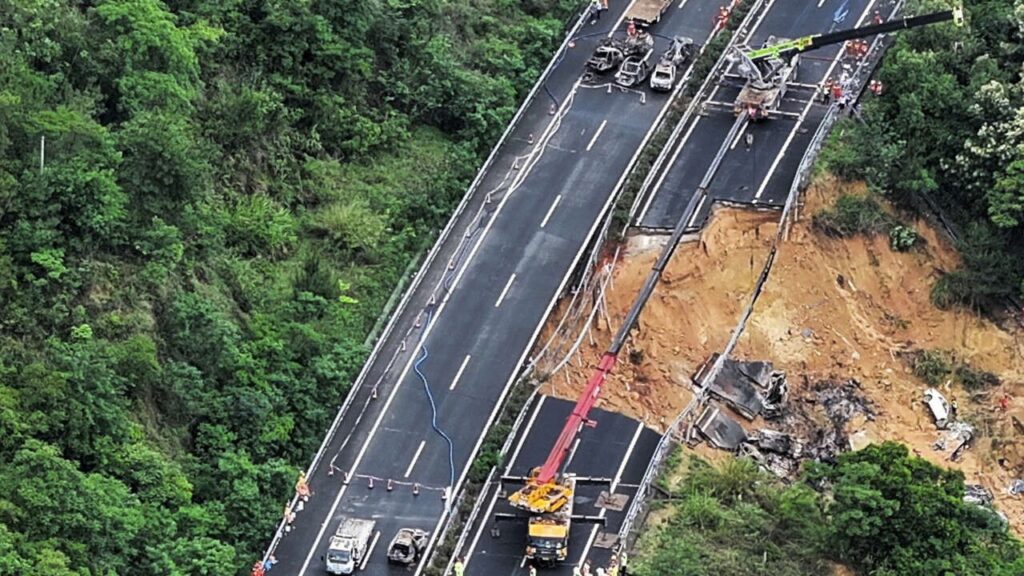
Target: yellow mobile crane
769, 69
548, 491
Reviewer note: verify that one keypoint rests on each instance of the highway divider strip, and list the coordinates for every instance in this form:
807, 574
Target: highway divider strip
660, 165
417, 279
453, 521
800, 181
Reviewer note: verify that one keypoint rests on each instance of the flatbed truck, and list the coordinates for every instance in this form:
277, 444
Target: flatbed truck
646, 13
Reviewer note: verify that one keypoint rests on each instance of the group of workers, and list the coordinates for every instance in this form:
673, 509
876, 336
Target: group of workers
857, 48
616, 567
261, 567
834, 91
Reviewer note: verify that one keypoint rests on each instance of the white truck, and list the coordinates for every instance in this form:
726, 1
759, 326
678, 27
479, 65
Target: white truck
348, 546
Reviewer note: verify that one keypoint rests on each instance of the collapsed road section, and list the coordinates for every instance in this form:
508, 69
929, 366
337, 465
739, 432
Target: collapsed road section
750, 389
401, 445
783, 95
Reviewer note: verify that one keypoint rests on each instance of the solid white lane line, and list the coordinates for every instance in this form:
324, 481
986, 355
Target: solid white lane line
697, 211
369, 551
611, 489
739, 135
596, 134
803, 114
551, 210
664, 173
408, 366
468, 556
359, 458
415, 457
572, 452
561, 286
459, 373
504, 291
679, 148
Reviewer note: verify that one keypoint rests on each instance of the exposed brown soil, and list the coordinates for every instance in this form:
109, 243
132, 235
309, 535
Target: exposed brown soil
832, 309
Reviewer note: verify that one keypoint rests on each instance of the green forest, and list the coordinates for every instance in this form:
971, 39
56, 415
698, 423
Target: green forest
946, 139
204, 206
879, 511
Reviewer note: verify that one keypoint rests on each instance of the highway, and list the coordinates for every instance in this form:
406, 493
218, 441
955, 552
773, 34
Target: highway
618, 448
477, 308
741, 178
760, 175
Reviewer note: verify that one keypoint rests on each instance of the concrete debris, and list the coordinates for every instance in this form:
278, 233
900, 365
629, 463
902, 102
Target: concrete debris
723, 432
955, 439
978, 494
750, 388
777, 442
812, 428
1017, 487
937, 404
782, 466
843, 401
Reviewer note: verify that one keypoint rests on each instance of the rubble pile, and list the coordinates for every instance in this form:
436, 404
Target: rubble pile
809, 427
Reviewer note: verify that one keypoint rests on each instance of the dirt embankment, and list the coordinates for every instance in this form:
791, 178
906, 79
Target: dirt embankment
679, 326
833, 308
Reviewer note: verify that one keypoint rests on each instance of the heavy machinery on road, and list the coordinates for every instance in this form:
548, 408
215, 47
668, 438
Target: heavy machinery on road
770, 69
647, 12
679, 53
407, 545
348, 546
547, 534
548, 491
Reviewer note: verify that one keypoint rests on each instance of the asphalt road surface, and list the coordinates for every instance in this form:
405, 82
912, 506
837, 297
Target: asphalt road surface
762, 173
618, 448
550, 183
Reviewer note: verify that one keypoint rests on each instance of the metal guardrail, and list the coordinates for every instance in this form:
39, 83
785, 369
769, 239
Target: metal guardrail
589, 282
490, 479
471, 193
740, 35
800, 180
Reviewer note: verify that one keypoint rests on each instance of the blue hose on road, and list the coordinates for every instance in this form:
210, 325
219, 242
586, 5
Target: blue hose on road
433, 408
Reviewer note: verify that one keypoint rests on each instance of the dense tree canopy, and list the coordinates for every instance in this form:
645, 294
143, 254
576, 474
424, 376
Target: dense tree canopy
947, 135
879, 511
230, 191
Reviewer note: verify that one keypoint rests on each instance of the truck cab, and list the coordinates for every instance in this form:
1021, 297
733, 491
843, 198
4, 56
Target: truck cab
348, 545
340, 559
547, 540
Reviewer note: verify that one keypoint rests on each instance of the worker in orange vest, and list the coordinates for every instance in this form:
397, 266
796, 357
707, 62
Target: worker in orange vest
723, 17
837, 91
257, 568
